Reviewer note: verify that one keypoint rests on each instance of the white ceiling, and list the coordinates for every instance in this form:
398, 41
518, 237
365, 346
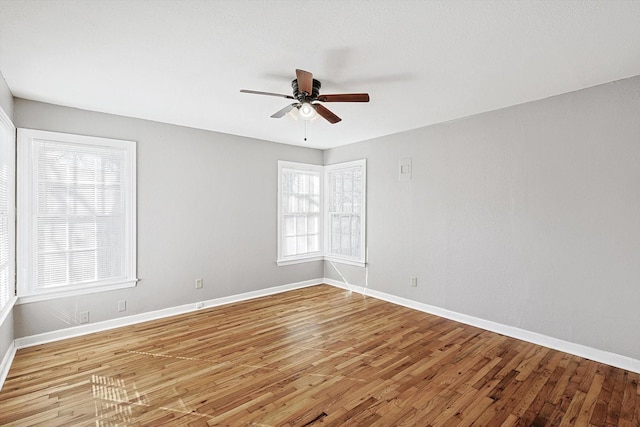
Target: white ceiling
422, 62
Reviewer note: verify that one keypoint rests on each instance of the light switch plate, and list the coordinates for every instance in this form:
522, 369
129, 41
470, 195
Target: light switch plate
404, 170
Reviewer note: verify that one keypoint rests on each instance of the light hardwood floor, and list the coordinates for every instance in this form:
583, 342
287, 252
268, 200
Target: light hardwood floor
310, 357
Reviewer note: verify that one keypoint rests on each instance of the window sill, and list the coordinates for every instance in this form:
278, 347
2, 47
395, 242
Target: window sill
346, 261
26, 299
4, 312
282, 262
321, 258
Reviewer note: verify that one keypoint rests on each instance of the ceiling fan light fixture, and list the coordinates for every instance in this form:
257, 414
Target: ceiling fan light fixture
306, 111
308, 105
294, 114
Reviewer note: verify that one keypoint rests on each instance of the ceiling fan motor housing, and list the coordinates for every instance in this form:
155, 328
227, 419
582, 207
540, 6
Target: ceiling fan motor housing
315, 91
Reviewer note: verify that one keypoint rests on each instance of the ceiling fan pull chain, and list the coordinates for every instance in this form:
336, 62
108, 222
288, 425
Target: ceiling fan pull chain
305, 129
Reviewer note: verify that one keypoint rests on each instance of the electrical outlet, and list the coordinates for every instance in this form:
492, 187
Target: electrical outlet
198, 283
84, 317
414, 282
122, 305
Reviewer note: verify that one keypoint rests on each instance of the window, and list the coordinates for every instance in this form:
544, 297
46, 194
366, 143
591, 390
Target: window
77, 214
345, 232
299, 205
7, 212
306, 230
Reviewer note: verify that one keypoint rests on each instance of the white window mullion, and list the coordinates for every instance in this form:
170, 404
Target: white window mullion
67, 232
96, 273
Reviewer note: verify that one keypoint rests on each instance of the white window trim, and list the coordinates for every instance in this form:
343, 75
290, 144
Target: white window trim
312, 256
69, 291
26, 292
322, 255
8, 126
361, 260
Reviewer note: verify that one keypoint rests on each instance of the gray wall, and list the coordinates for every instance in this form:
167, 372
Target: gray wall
206, 209
527, 216
6, 327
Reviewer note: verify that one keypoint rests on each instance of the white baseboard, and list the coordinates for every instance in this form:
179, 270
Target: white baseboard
613, 359
153, 315
7, 360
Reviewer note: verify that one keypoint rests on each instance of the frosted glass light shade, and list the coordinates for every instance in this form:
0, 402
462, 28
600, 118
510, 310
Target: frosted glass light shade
306, 111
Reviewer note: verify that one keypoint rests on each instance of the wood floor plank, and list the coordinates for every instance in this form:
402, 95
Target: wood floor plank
310, 357
629, 398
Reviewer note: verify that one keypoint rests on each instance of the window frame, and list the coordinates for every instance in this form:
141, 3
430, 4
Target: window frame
9, 130
324, 223
344, 259
26, 288
282, 259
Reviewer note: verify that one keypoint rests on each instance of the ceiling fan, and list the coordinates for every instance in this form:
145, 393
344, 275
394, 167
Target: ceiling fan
306, 93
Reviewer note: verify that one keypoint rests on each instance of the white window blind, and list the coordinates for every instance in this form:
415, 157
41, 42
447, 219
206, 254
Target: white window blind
321, 212
299, 218
345, 213
79, 221
7, 209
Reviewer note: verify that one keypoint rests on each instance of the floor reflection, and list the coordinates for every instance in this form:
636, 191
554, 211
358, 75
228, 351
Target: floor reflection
113, 402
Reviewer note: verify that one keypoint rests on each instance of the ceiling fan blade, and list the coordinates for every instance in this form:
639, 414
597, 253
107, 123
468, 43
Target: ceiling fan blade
326, 113
284, 111
345, 97
256, 92
305, 81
